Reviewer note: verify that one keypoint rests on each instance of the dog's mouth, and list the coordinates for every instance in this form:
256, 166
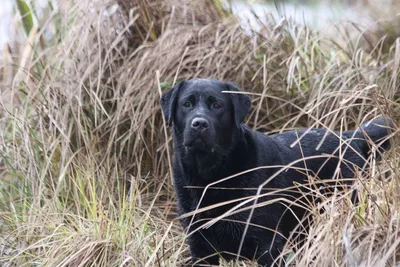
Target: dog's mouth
196, 144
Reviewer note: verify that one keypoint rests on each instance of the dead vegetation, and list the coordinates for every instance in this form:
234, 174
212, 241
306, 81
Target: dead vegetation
85, 154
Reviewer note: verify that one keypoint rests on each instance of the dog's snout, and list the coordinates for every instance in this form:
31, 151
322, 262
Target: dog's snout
199, 124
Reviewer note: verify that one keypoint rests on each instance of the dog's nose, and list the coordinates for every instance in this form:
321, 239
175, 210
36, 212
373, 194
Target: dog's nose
199, 124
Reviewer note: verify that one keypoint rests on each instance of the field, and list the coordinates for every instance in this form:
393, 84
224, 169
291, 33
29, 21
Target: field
85, 154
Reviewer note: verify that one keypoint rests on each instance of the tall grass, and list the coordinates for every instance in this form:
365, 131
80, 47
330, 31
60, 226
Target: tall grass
85, 154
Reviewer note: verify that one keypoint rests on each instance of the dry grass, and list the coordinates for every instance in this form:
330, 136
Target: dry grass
84, 155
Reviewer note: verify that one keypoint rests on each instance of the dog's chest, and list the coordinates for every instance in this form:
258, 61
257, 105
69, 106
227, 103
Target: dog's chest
226, 235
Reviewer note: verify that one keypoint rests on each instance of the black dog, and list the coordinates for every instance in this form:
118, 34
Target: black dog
212, 143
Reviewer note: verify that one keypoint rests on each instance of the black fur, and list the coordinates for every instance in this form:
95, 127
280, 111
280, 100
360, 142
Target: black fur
221, 146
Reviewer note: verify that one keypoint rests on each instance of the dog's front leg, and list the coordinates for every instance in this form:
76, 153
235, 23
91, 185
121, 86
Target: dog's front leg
202, 251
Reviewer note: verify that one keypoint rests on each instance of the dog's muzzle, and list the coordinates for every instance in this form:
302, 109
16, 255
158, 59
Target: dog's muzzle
200, 124
198, 135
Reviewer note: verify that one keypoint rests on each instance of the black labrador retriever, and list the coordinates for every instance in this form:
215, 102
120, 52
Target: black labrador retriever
253, 213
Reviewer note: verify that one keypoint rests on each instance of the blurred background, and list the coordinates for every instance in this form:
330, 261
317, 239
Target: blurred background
316, 14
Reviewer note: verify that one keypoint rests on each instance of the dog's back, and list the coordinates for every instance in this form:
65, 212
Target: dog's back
323, 153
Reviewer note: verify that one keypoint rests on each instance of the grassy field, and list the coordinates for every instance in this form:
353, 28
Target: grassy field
85, 155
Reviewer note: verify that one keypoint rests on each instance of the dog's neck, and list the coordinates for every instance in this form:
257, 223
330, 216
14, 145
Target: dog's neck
205, 168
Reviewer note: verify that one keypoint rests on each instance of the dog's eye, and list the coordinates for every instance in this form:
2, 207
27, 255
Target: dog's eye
216, 106
187, 104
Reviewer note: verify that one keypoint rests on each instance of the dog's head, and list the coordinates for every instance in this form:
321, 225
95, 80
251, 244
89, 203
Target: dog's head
204, 118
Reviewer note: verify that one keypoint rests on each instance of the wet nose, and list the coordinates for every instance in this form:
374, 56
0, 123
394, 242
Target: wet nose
199, 124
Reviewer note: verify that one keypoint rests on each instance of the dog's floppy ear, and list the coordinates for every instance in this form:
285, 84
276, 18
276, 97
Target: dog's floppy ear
241, 104
168, 102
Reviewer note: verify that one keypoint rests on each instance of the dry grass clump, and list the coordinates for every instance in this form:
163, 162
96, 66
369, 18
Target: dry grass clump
84, 154
361, 235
